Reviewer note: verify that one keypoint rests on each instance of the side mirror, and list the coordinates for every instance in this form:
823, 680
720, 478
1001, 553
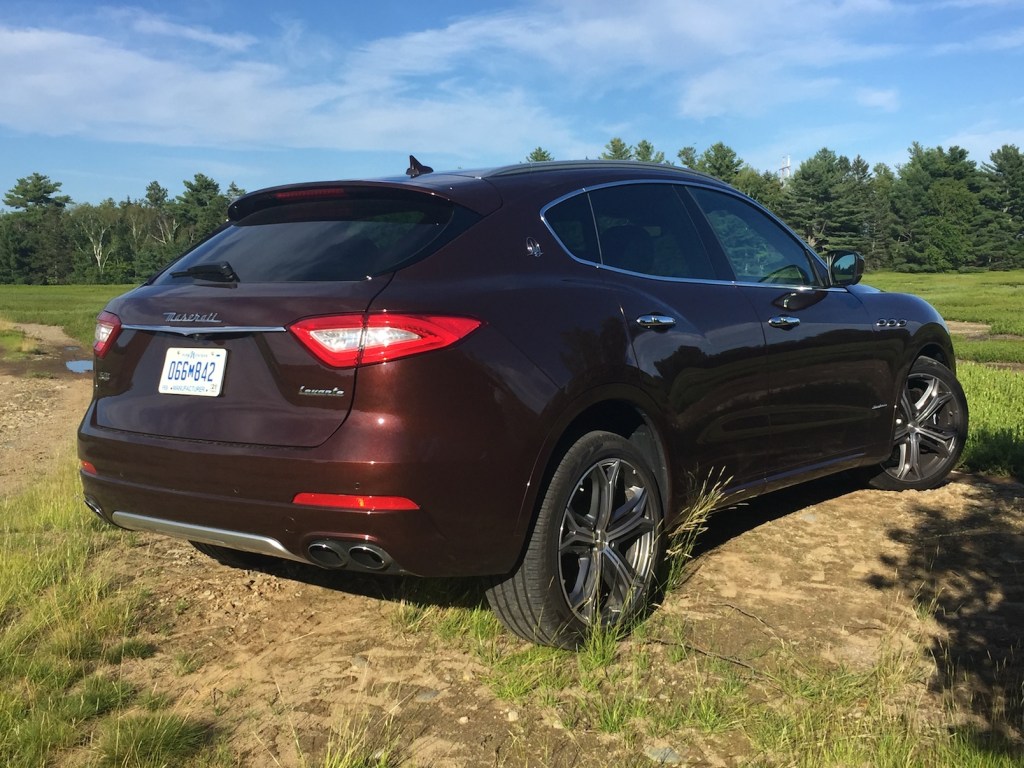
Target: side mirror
845, 268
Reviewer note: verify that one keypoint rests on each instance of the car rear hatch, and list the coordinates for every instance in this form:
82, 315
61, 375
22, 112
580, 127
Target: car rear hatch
208, 349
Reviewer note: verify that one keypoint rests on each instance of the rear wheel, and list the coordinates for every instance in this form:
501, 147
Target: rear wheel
236, 558
930, 431
592, 557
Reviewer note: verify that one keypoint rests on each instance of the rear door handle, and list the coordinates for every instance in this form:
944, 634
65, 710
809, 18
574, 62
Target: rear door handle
784, 321
656, 321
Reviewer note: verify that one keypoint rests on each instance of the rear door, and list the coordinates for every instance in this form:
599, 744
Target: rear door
205, 351
698, 345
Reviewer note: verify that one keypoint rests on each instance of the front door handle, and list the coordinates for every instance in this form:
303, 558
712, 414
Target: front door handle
784, 322
656, 321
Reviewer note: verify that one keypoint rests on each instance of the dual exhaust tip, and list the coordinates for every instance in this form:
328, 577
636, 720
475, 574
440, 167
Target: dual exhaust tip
334, 555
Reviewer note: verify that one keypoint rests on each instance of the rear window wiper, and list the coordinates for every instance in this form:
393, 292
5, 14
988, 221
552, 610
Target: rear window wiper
221, 272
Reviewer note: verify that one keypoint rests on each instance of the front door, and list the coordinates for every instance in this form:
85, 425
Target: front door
828, 386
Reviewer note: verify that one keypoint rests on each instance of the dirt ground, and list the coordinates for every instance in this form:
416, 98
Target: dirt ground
276, 660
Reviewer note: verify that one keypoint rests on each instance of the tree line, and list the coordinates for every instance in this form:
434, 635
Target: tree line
49, 239
940, 211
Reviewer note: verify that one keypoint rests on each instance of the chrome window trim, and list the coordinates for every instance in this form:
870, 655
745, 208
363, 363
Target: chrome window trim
205, 330
683, 183
792, 287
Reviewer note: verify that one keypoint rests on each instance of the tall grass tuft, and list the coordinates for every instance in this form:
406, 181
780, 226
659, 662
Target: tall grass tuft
682, 538
150, 740
359, 743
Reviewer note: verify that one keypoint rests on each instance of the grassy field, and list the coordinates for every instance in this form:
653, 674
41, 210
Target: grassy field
67, 627
994, 298
71, 307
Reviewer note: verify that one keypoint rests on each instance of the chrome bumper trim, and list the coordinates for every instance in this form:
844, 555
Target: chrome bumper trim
247, 542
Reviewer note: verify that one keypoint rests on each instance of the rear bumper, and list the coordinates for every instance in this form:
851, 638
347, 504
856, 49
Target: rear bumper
467, 524
395, 542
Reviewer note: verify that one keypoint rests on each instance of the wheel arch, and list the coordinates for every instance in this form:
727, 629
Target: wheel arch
617, 412
936, 352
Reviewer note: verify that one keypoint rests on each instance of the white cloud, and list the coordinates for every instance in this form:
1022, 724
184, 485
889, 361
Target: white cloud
147, 24
1005, 40
748, 90
982, 141
123, 95
884, 99
483, 83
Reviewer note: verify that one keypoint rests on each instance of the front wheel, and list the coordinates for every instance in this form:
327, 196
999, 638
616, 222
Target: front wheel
930, 430
595, 548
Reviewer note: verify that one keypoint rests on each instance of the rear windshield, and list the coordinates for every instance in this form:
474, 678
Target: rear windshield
324, 240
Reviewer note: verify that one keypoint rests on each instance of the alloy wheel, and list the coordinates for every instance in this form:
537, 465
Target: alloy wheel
607, 545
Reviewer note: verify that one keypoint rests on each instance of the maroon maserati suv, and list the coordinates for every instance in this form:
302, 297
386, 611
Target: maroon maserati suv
523, 373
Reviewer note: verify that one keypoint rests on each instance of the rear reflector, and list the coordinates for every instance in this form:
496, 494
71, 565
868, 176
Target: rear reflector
88, 467
108, 326
346, 501
348, 341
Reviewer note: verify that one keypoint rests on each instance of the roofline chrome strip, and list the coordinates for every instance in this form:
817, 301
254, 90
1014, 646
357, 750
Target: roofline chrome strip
247, 542
206, 330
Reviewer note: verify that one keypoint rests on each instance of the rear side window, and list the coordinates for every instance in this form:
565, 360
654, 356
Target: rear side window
640, 228
572, 221
645, 228
358, 236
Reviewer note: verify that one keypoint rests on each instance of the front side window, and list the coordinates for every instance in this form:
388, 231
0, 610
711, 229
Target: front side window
759, 250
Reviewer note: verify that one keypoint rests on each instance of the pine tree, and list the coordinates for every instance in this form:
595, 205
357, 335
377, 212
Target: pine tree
617, 149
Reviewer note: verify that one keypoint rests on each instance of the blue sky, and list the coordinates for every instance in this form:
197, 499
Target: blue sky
106, 98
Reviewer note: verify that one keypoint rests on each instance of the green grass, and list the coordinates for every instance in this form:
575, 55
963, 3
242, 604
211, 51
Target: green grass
150, 740
14, 345
64, 630
992, 351
71, 307
360, 743
995, 443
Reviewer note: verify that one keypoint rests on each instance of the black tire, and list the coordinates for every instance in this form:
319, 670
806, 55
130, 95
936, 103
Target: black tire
236, 558
595, 548
930, 430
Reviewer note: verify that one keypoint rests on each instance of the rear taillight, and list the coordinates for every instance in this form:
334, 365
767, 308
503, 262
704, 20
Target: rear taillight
347, 341
108, 326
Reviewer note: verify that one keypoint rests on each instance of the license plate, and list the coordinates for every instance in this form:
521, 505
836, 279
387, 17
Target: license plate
190, 371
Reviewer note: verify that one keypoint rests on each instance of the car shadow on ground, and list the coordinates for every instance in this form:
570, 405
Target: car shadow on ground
464, 592
730, 522
966, 571
470, 593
